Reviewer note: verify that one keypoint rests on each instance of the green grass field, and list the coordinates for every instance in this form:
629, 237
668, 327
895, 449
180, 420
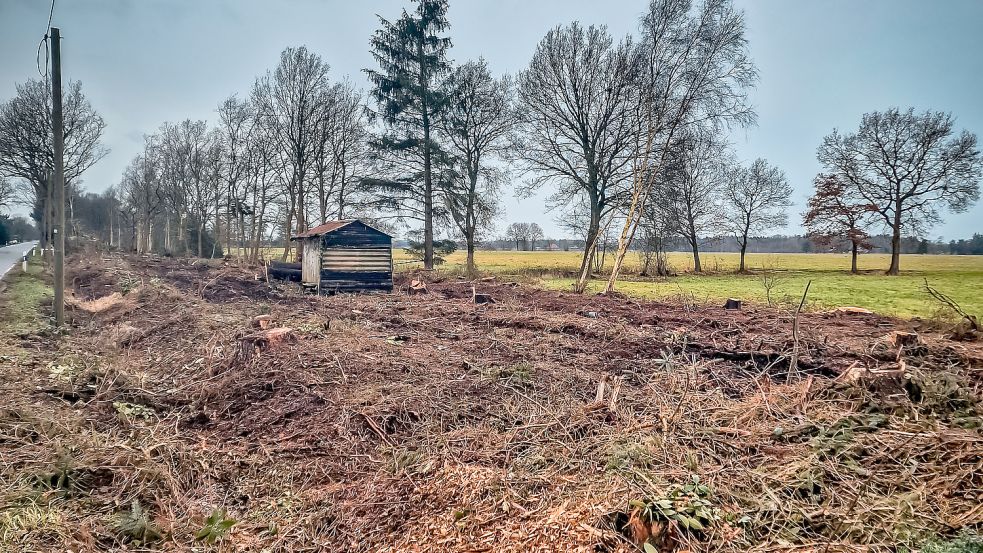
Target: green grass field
960, 277
24, 293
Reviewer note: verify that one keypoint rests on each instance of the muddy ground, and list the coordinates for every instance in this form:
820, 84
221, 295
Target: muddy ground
545, 421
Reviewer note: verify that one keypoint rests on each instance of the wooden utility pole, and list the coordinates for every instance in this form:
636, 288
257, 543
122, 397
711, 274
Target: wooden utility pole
57, 127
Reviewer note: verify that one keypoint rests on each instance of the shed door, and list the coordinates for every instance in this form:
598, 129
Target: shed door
311, 263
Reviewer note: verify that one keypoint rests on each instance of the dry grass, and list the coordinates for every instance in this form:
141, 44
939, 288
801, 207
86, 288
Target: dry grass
413, 423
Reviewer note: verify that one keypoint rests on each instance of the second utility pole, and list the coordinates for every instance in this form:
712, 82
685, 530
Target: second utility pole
57, 127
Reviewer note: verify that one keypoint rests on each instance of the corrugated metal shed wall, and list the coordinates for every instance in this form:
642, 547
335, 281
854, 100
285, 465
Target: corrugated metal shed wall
356, 257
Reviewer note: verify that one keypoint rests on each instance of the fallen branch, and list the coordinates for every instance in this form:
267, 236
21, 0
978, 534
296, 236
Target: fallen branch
969, 328
793, 365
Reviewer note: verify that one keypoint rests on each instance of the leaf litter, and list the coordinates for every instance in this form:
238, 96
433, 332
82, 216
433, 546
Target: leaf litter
412, 422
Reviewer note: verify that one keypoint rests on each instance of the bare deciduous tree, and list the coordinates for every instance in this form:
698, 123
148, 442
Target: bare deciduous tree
236, 131
193, 152
517, 232
141, 191
836, 214
908, 166
26, 145
657, 229
169, 147
535, 233
479, 116
688, 193
697, 71
756, 200
579, 116
342, 151
262, 192
288, 101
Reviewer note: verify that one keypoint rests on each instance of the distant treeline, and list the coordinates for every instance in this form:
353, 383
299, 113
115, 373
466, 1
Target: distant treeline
16, 228
769, 244
973, 246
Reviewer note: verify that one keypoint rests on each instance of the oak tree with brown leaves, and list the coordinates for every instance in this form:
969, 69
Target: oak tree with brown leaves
836, 215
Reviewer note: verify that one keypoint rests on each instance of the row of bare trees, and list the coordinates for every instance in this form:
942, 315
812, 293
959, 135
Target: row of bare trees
293, 152
602, 122
703, 192
613, 124
300, 151
524, 235
629, 135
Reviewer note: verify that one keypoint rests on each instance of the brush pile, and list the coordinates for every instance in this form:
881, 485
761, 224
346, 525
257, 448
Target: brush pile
171, 418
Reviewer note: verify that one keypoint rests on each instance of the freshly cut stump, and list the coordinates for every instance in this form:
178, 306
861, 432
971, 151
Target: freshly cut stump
255, 344
417, 286
262, 322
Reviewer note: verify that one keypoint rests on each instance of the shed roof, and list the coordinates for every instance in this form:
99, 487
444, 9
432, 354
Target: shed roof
332, 226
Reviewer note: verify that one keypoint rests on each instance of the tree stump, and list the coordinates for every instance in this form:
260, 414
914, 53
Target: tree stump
417, 286
881, 381
901, 339
732, 303
262, 322
253, 345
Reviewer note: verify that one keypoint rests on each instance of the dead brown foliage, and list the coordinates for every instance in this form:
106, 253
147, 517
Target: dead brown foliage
425, 422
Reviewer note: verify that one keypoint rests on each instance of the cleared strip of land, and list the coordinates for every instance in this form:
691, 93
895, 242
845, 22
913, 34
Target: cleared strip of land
192, 399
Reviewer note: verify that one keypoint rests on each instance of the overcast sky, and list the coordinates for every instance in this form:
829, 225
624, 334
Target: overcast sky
822, 64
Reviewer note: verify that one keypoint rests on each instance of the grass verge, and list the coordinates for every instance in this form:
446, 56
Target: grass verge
23, 295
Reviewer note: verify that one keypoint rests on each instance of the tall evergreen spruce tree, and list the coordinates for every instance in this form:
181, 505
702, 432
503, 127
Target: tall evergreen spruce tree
412, 58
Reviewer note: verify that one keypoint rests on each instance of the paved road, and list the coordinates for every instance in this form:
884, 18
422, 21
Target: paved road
10, 256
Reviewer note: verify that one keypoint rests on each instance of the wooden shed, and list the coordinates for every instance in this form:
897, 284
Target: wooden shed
346, 256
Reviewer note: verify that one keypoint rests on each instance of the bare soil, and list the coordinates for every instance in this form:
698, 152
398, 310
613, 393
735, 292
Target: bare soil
544, 421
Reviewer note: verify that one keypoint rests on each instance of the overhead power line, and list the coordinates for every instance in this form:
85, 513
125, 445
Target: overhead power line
44, 42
